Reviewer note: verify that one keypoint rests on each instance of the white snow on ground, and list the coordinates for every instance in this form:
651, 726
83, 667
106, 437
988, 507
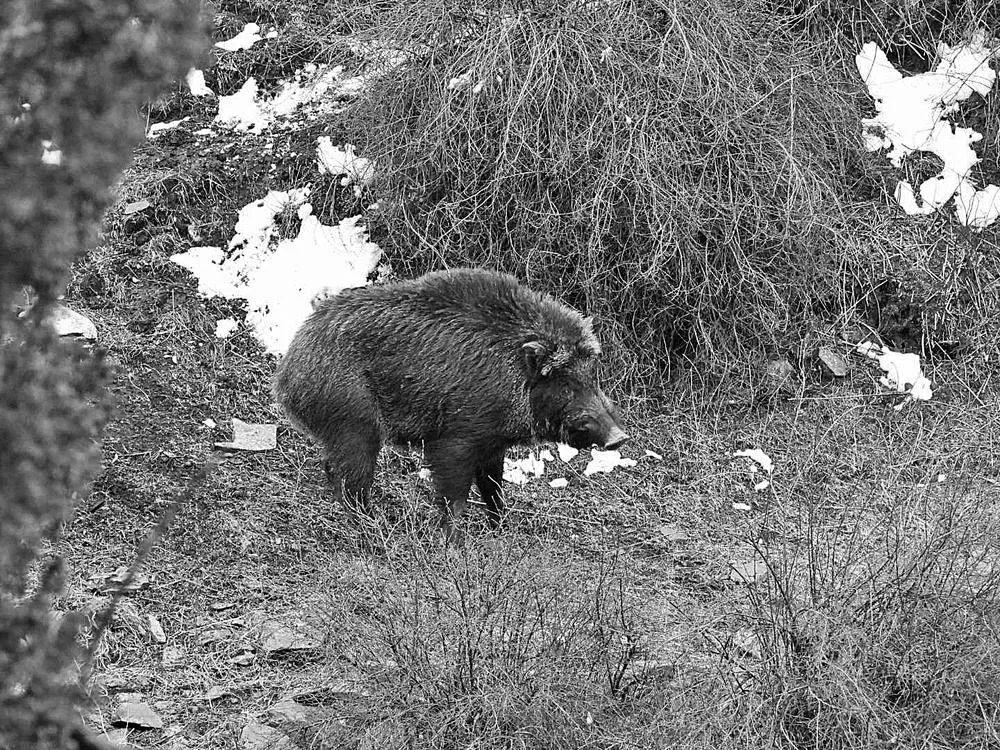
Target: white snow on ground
311, 83
566, 452
50, 154
343, 161
606, 461
757, 455
245, 110
464, 81
196, 82
241, 110
902, 372
224, 328
911, 117
280, 280
244, 40
156, 128
520, 470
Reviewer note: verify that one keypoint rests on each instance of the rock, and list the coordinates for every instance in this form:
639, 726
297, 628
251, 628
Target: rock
118, 581
257, 736
834, 361
155, 629
172, 657
214, 636
68, 322
124, 681
216, 692
251, 437
778, 375
136, 206
750, 572
138, 715
672, 534
277, 638
307, 726
244, 659
288, 713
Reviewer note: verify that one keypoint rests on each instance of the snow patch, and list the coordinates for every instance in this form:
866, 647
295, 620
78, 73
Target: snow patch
224, 328
156, 128
242, 110
281, 280
520, 470
50, 154
245, 110
606, 461
246, 39
757, 455
344, 161
196, 82
912, 114
464, 81
566, 452
902, 372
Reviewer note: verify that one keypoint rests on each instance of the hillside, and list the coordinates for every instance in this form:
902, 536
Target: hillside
694, 177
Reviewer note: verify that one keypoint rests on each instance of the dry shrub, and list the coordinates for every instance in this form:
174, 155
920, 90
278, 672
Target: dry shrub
683, 170
496, 644
692, 173
882, 630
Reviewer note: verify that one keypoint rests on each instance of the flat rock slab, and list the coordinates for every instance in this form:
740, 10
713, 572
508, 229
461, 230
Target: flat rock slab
750, 572
67, 322
138, 715
257, 736
251, 437
277, 638
288, 713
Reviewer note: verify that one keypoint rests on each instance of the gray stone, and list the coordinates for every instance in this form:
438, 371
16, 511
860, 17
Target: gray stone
278, 638
138, 715
750, 572
257, 736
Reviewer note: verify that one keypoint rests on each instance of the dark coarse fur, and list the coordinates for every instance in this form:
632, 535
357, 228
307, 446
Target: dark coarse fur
467, 362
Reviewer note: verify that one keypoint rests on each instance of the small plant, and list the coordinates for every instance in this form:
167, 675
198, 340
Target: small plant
493, 643
882, 630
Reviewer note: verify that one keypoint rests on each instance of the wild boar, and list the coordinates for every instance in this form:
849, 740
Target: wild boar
467, 362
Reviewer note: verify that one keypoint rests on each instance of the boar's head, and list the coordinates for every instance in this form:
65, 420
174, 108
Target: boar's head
566, 403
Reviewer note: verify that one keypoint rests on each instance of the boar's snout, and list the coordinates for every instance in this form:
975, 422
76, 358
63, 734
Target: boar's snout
595, 424
615, 438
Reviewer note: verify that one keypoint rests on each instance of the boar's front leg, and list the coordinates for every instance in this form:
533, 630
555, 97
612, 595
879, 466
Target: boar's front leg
453, 464
489, 478
350, 462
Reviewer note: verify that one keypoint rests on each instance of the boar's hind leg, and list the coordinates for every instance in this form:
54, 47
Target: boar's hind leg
453, 464
489, 475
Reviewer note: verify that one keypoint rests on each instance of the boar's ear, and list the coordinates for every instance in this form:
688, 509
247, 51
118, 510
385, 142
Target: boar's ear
536, 358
